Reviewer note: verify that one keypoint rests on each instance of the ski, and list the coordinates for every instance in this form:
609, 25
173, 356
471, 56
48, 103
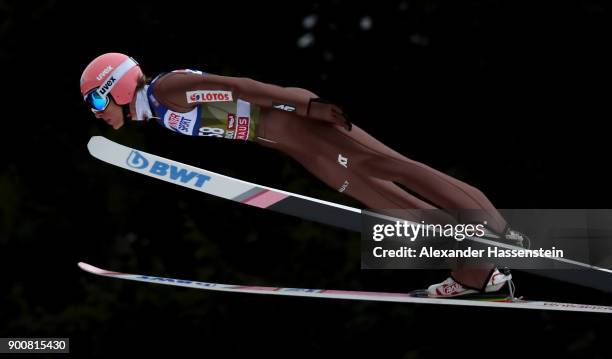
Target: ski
415, 298
224, 186
298, 205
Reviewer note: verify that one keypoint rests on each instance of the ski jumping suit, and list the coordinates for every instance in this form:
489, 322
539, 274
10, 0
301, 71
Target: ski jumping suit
351, 161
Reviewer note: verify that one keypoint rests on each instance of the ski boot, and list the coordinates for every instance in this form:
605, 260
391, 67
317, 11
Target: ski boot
450, 288
517, 238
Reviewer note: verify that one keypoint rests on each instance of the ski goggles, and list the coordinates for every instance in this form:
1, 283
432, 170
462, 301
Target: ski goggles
98, 98
96, 102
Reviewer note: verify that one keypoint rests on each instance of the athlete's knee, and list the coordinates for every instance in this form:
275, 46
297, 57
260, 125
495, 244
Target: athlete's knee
477, 193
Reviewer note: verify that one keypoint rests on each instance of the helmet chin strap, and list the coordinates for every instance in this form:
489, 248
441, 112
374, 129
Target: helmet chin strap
126, 111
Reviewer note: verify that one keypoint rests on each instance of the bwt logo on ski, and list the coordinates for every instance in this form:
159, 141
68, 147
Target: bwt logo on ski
162, 169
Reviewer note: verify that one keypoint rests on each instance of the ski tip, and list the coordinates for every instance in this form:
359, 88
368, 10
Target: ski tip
89, 268
93, 141
95, 270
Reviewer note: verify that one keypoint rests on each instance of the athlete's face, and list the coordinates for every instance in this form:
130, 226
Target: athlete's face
113, 115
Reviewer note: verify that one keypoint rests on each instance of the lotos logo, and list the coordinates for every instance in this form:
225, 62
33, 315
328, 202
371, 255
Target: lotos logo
166, 171
104, 73
208, 96
107, 86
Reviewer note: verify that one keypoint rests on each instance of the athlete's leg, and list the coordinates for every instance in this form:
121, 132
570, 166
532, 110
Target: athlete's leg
444, 191
316, 142
356, 163
379, 194
377, 160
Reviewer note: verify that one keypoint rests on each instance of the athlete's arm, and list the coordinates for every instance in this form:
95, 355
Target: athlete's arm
175, 90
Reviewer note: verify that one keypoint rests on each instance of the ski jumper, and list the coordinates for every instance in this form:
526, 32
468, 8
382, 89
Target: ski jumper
351, 161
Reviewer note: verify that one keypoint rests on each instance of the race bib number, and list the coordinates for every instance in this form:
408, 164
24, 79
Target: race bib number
211, 132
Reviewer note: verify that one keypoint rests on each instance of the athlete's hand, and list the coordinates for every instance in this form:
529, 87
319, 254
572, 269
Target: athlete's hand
324, 110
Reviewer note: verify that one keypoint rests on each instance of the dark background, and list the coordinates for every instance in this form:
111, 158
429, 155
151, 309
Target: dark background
512, 97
